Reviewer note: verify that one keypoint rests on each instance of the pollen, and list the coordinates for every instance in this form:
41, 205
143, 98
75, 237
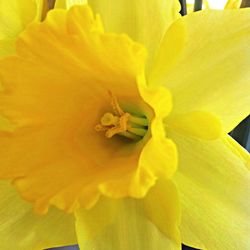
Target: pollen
122, 123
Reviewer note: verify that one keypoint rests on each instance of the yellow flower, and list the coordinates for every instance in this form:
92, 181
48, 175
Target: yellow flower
85, 119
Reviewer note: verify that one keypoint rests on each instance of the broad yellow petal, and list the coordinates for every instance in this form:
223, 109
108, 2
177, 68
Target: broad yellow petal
93, 221
21, 229
120, 225
15, 15
214, 186
144, 21
163, 209
238, 149
210, 71
233, 4
198, 124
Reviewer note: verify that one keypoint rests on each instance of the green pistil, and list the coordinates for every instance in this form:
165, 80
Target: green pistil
137, 128
130, 136
122, 123
138, 120
138, 131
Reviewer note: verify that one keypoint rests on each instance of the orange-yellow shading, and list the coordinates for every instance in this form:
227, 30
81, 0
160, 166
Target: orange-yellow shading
54, 101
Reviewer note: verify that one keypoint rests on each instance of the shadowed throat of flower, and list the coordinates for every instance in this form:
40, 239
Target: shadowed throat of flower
122, 123
102, 135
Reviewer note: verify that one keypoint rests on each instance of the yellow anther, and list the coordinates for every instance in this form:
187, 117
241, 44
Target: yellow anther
122, 123
109, 119
115, 105
100, 128
118, 128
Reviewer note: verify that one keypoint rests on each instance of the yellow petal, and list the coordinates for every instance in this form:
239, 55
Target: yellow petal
172, 45
163, 209
233, 4
120, 225
15, 15
93, 221
198, 124
238, 150
213, 183
20, 228
211, 71
66, 4
144, 21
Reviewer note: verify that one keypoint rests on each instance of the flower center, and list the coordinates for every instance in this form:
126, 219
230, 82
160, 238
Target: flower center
122, 123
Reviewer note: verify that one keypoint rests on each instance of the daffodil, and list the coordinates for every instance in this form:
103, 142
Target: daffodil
95, 108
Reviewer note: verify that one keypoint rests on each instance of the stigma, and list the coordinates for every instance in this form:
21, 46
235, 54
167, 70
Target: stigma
122, 123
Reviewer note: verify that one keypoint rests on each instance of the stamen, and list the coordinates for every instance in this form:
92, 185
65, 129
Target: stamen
119, 128
137, 131
115, 105
130, 136
138, 120
122, 123
109, 119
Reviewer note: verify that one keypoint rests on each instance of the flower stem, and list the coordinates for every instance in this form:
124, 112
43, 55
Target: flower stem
183, 11
197, 5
